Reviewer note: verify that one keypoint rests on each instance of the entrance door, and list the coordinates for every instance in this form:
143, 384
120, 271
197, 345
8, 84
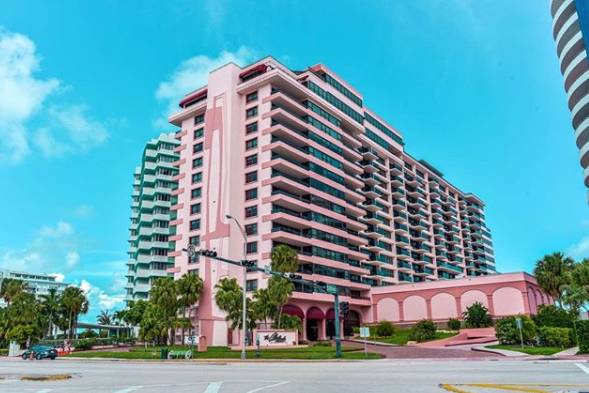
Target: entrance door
330, 329
312, 329
352, 321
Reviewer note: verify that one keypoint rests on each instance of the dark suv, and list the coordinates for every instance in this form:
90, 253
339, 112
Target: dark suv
40, 352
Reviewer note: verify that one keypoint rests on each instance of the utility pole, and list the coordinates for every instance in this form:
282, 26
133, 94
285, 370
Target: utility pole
244, 300
338, 341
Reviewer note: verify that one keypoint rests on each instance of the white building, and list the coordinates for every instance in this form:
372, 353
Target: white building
38, 284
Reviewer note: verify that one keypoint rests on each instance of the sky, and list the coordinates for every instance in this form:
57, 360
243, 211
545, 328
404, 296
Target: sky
473, 86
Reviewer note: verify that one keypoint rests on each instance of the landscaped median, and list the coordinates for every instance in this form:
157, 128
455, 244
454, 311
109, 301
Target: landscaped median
316, 352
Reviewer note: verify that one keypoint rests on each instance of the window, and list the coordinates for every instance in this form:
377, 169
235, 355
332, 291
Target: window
197, 148
251, 247
199, 119
252, 143
196, 177
251, 285
251, 176
251, 229
197, 162
195, 240
251, 211
199, 133
252, 127
251, 194
196, 193
195, 209
251, 112
251, 97
251, 160
194, 225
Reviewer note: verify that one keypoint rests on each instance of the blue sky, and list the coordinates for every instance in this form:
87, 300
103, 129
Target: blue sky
474, 87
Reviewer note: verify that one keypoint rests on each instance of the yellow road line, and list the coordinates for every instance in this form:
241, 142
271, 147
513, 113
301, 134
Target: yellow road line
452, 388
513, 388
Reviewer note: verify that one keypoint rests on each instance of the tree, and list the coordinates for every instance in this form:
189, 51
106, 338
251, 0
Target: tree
189, 287
164, 297
263, 306
284, 259
553, 274
279, 290
10, 288
229, 298
477, 316
24, 321
134, 312
153, 326
104, 318
50, 307
74, 303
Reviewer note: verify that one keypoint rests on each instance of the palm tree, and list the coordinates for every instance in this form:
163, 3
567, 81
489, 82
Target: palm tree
74, 303
10, 288
264, 306
50, 306
284, 259
104, 318
553, 274
279, 290
229, 299
164, 296
189, 288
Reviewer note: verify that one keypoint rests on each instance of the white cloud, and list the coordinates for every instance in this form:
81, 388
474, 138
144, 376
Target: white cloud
83, 211
193, 73
71, 259
65, 128
86, 287
580, 249
97, 296
59, 277
61, 229
21, 93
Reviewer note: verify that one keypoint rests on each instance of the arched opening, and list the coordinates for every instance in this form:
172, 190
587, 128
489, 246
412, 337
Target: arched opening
314, 318
330, 327
351, 321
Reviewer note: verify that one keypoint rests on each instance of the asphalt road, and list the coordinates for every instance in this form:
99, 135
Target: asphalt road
404, 376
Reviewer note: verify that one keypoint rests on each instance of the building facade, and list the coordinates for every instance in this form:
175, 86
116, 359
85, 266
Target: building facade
298, 159
37, 284
570, 30
153, 182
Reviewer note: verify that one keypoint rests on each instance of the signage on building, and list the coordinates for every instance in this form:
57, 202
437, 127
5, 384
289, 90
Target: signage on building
277, 337
364, 332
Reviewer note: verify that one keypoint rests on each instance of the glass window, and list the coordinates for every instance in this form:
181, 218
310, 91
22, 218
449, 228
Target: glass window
197, 162
199, 119
197, 148
251, 229
251, 285
196, 177
251, 160
195, 209
196, 193
251, 194
251, 176
199, 133
251, 247
194, 225
252, 127
251, 211
252, 143
251, 97
251, 112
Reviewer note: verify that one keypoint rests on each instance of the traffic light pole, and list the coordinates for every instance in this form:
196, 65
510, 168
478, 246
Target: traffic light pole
338, 341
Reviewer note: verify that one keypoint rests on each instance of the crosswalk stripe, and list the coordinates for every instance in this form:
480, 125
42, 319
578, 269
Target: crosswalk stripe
268, 387
44, 390
583, 367
129, 389
213, 387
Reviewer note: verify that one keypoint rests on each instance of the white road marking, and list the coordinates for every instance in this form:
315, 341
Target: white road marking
8, 381
583, 367
213, 387
44, 390
268, 387
129, 389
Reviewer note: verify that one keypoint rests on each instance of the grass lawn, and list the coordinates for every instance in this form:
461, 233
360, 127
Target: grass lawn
3, 352
402, 336
529, 350
312, 353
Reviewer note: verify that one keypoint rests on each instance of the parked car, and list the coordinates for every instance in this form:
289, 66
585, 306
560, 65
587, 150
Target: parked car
40, 352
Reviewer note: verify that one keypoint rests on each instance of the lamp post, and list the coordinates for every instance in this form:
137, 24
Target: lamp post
244, 305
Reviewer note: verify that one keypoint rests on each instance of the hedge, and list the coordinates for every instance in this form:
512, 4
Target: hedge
555, 337
384, 329
583, 336
424, 330
508, 333
453, 324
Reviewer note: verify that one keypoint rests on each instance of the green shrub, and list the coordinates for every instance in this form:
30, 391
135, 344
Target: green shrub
508, 333
550, 315
423, 331
384, 329
85, 344
477, 316
88, 334
583, 336
453, 324
555, 337
356, 330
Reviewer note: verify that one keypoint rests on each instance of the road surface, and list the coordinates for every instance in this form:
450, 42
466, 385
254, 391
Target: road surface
389, 375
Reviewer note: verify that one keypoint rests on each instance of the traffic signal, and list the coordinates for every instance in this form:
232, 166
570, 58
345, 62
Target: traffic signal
294, 276
344, 308
321, 287
208, 253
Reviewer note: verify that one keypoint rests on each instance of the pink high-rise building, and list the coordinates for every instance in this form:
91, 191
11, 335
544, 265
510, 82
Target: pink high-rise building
299, 159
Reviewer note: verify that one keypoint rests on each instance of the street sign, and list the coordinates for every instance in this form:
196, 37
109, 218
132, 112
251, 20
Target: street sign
518, 323
267, 269
331, 289
191, 340
364, 331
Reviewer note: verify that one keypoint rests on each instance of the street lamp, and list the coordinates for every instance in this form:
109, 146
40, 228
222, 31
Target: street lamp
244, 313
